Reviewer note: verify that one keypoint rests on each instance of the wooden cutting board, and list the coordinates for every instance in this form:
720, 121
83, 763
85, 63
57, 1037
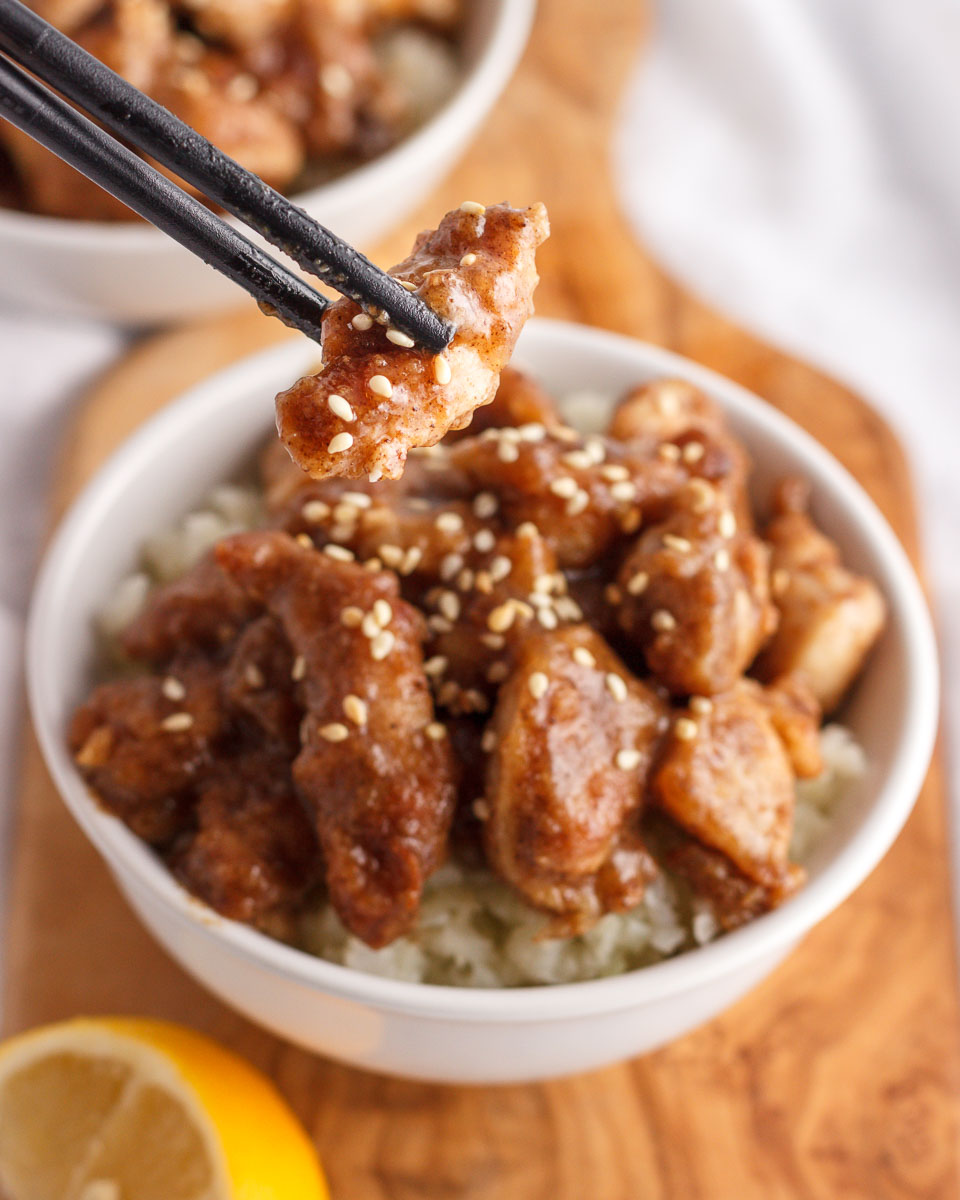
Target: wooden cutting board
838, 1077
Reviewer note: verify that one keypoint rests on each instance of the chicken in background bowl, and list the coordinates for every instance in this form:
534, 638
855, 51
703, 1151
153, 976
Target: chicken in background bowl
298, 91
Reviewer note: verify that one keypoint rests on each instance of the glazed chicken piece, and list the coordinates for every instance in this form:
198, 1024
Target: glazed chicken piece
141, 743
829, 617
520, 400
679, 415
575, 735
254, 853
238, 23
796, 716
258, 684
376, 769
733, 897
203, 610
377, 396
725, 777
696, 597
583, 494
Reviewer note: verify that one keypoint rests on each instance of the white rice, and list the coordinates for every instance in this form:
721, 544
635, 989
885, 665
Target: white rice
472, 929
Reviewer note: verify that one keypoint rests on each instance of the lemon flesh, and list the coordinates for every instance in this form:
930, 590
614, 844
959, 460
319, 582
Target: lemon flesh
119, 1109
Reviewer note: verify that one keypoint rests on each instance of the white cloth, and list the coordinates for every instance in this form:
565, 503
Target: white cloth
794, 162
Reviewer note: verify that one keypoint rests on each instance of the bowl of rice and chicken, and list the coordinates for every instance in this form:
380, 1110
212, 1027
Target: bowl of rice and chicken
497, 721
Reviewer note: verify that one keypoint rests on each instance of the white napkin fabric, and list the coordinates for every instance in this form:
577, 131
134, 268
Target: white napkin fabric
795, 163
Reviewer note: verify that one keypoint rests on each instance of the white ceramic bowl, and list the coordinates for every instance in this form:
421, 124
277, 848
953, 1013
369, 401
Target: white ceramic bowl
135, 275
450, 1033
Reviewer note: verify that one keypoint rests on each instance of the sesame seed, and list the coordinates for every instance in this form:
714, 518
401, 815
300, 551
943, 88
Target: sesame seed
382, 644
340, 442
473, 208
355, 710
669, 452
624, 490
568, 609
614, 473
547, 618
538, 684
565, 486
493, 641
450, 565
701, 705
543, 583
468, 260
685, 729
340, 553
435, 731
485, 505
532, 431
612, 594
372, 564
351, 616
507, 452
727, 524
497, 672
340, 408
362, 322
577, 503
177, 722
304, 540
439, 624
693, 452
500, 567
449, 605
583, 656
380, 385
335, 80
702, 495
253, 676
382, 612
721, 560
520, 608
407, 284
627, 760
370, 626
299, 668
489, 741
484, 540
411, 560
501, 618
345, 513
484, 582
579, 460
315, 511
465, 579
391, 555
375, 475
449, 522
481, 810
616, 686
173, 689
399, 338
596, 449
357, 499
663, 621
441, 370
527, 529
637, 584
335, 732
682, 545
436, 665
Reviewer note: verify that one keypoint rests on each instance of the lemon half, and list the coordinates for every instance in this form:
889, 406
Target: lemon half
130, 1109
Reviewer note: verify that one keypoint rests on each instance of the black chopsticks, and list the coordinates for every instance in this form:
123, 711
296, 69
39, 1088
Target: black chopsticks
142, 122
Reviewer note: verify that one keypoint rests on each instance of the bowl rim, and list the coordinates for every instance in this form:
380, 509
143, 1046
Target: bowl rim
477, 90
125, 854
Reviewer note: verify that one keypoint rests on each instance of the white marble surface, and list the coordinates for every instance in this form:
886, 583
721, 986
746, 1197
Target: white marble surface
795, 162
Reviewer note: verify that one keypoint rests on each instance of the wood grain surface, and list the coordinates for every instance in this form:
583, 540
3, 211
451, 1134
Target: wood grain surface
837, 1077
